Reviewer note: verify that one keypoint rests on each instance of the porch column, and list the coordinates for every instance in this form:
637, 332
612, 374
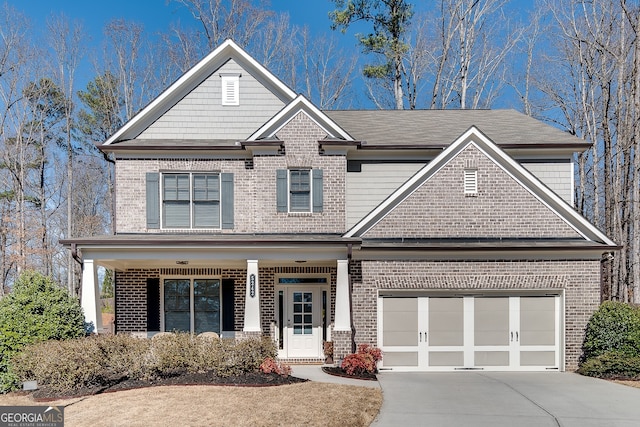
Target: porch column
252, 299
90, 299
343, 312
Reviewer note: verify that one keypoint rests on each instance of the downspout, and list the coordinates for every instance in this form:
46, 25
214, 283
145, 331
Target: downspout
353, 327
74, 254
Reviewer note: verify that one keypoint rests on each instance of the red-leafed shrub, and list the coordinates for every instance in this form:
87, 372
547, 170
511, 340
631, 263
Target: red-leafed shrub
275, 366
364, 361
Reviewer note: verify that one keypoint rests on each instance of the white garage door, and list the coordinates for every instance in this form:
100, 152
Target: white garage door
470, 332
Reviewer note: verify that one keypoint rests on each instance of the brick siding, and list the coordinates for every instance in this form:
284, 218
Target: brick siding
580, 281
503, 208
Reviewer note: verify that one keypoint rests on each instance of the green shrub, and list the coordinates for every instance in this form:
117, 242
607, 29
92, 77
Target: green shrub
612, 364
36, 310
614, 326
105, 359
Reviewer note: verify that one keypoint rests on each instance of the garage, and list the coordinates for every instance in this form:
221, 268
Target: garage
444, 332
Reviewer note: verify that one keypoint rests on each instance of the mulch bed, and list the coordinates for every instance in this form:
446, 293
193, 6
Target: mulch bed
252, 379
338, 372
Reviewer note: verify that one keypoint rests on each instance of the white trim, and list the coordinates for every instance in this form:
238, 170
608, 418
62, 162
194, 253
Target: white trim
503, 160
90, 300
252, 303
342, 317
196, 75
230, 90
299, 105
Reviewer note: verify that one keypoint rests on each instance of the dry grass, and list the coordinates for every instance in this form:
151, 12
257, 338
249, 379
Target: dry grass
308, 404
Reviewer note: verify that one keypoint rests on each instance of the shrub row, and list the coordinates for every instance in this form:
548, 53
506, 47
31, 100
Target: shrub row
107, 359
612, 365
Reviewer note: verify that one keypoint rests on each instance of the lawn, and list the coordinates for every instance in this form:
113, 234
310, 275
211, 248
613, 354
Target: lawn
303, 404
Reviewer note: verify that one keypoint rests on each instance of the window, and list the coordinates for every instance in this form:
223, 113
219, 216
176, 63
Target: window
230, 89
299, 190
192, 305
190, 200
470, 182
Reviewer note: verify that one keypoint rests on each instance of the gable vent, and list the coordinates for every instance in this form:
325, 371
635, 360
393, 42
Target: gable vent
230, 89
470, 182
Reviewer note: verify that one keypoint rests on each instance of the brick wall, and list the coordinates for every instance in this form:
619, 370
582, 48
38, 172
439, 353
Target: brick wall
131, 292
579, 280
501, 209
255, 209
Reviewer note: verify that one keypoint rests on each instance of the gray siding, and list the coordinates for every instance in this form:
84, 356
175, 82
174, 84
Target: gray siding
368, 188
556, 176
201, 115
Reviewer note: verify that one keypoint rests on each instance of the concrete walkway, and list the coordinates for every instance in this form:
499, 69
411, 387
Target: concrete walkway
505, 399
315, 373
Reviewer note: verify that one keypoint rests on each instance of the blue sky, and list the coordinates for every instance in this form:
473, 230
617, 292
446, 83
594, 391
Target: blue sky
157, 15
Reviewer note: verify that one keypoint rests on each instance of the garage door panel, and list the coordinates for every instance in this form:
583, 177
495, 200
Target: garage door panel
491, 358
446, 321
537, 358
491, 321
401, 358
400, 338
446, 358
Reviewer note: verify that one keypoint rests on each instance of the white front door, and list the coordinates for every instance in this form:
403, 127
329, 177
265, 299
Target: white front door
303, 321
470, 332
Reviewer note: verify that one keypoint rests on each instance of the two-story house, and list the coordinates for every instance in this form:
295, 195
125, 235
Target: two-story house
447, 238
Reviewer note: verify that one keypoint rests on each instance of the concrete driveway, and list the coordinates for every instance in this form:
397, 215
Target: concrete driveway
505, 399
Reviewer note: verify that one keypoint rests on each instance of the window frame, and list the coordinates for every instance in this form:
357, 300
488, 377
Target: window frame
290, 191
192, 202
192, 318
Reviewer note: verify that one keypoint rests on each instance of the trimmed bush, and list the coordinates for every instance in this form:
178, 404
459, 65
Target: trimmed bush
36, 310
107, 359
615, 326
612, 365
364, 361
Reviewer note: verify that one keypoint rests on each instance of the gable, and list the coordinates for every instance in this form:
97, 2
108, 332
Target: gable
202, 113
510, 203
501, 208
228, 56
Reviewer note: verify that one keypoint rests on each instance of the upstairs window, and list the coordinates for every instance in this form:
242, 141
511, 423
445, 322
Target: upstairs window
299, 190
189, 200
230, 89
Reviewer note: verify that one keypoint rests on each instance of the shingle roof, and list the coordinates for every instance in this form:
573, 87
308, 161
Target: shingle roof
441, 127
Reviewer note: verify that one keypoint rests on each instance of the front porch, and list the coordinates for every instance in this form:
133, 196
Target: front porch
299, 304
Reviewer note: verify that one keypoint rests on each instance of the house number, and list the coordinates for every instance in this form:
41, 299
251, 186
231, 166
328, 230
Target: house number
252, 285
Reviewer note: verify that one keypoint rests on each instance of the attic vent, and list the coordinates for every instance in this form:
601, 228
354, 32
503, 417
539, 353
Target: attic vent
471, 182
230, 89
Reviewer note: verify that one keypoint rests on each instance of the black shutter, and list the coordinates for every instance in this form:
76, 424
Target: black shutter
153, 304
228, 305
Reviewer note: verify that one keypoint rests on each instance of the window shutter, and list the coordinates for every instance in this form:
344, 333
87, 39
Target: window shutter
317, 190
153, 304
227, 200
281, 190
153, 200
